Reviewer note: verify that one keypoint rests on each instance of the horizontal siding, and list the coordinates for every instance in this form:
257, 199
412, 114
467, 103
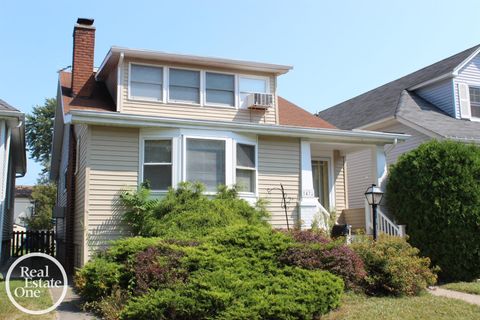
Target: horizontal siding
441, 95
279, 162
354, 217
81, 132
416, 139
194, 112
359, 176
339, 181
113, 162
470, 74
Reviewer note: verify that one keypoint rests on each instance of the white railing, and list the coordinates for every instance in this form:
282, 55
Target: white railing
385, 225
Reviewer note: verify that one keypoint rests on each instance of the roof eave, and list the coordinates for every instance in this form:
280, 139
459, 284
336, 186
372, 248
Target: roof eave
128, 120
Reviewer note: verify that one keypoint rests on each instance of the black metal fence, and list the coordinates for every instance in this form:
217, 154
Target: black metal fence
24, 242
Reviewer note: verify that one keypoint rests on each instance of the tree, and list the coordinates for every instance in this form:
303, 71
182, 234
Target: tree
435, 191
43, 196
39, 132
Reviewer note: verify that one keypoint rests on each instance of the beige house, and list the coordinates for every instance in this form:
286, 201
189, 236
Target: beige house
166, 118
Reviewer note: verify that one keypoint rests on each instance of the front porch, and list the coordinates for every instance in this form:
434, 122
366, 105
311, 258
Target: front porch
324, 188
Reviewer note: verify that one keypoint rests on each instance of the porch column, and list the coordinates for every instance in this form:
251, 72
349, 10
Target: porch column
308, 202
379, 175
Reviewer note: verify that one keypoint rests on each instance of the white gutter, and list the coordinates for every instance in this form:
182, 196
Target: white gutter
119, 82
333, 135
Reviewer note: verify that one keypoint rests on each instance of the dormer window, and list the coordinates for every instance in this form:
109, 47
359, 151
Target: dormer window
220, 89
249, 85
475, 101
184, 86
146, 82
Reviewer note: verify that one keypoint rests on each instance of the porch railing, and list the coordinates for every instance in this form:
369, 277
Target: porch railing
385, 225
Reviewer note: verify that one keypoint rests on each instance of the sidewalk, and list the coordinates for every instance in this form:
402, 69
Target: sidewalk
70, 308
470, 298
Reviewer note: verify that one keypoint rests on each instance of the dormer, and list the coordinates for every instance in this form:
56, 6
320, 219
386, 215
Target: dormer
184, 86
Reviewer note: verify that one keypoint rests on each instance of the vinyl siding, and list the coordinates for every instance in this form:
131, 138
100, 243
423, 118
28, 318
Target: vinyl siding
61, 193
279, 162
359, 163
441, 95
113, 159
339, 181
470, 74
194, 112
81, 191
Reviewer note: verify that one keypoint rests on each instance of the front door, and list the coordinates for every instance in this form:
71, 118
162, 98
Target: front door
320, 182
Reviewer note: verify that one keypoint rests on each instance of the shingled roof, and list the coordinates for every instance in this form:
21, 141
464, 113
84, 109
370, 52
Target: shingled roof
290, 114
382, 102
6, 107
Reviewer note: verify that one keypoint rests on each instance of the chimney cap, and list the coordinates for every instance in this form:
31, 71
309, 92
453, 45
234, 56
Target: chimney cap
85, 21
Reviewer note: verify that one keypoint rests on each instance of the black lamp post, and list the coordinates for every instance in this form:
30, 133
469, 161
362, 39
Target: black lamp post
374, 195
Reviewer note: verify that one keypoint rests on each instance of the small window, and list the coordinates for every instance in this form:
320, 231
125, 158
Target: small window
220, 89
65, 178
475, 101
205, 162
146, 82
184, 85
245, 168
157, 164
251, 85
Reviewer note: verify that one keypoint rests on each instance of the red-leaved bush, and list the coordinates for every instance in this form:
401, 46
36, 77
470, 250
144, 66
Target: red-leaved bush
314, 251
158, 267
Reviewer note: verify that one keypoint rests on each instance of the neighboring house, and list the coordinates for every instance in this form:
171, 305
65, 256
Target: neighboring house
166, 118
12, 165
441, 101
23, 207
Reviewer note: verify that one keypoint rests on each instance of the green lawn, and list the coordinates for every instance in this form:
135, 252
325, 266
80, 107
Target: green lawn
467, 287
10, 312
424, 307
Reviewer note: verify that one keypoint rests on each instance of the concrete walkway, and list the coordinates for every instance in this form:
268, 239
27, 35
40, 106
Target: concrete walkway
470, 298
70, 308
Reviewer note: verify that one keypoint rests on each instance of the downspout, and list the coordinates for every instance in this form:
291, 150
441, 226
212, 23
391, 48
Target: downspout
390, 147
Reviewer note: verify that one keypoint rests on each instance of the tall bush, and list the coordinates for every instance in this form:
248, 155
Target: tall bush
435, 191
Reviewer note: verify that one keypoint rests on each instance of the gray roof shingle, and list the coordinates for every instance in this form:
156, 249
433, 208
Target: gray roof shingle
6, 107
382, 102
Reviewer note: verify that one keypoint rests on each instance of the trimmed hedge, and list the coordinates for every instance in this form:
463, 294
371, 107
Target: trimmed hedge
435, 191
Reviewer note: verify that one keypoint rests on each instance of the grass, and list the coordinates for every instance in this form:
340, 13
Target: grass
467, 287
10, 312
423, 307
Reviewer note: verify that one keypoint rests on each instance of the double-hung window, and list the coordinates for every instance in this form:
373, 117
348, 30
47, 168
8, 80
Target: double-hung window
220, 89
184, 86
146, 82
157, 164
251, 85
246, 168
205, 162
475, 101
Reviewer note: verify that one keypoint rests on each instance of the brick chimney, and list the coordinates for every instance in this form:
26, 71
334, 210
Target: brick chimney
83, 53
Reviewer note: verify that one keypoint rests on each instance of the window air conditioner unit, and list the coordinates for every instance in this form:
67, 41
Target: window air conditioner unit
261, 101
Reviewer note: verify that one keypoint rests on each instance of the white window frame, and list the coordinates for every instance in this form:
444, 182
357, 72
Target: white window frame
255, 169
129, 89
202, 102
172, 159
249, 76
477, 86
228, 146
184, 102
235, 90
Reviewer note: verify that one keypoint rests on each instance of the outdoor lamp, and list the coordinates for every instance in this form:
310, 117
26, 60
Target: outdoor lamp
374, 195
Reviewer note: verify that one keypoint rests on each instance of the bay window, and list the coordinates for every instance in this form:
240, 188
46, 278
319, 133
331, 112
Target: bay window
157, 164
205, 162
220, 88
184, 85
246, 168
146, 82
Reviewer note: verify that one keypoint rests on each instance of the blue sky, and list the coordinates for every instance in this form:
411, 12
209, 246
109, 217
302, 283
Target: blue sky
339, 49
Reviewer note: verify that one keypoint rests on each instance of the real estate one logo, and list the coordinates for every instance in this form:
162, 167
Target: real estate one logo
36, 278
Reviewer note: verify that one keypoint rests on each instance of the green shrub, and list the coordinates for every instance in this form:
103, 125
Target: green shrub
97, 278
394, 267
225, 294
435, 191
